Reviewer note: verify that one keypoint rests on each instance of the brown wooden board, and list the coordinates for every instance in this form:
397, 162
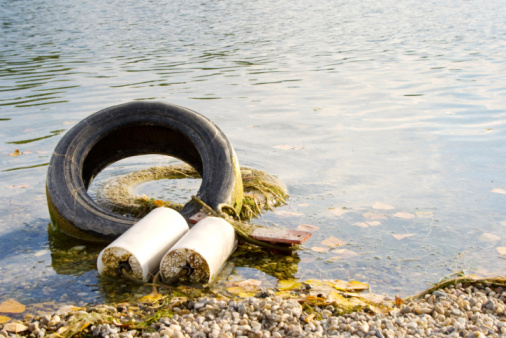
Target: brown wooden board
277, 235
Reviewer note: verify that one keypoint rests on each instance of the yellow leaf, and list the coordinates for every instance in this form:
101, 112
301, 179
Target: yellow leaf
501, 250
307, 227
318, 249
398, 301
12, 306
151, 298
309, 318
236, 290
403, 214
402, 236
15, 327
285, 294
16, 153
288, 284
314, 282
333, 242
4, 319
496, 190
159, 203
352, 286
382, 206
336, 298
246, 294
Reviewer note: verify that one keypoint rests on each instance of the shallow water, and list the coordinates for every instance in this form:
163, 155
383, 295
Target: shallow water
386, 120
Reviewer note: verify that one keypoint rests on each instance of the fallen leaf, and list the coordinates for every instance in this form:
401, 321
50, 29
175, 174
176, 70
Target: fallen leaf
159, 203
4, 319
361, 224
331, 259
236, 290
15, 327
319, 249
249, 282
339, 212
351, 286
382, 206
501, 250
16, 153
403, 214
287, 213
307, 227
333, 242
41, 253
496, 190
487, 237
151, 298
425, 214
12, 306
402, 236
503, 223
303, 204
373, 223
288, 284
345, 253
374, 215
309, 318
398, 301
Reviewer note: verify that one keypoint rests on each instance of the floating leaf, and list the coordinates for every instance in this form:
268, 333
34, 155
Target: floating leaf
374, 215
345, 253
425, 214
12, 306
288, 284
382, 206
41, 253
287, 213
496, 190
501, 250
303, 204
331, 259
333, 242
403, 214
15, 327
339, 212
4, 319
319, 249
16, 153
236, 290
361, 224
307, 227
151, 298
402, 236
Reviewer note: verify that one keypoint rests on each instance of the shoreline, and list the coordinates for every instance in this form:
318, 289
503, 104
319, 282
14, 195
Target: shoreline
461, 307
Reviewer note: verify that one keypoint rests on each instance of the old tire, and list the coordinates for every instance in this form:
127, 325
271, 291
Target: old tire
130, 129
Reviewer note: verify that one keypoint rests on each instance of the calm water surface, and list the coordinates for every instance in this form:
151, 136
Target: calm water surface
386, 120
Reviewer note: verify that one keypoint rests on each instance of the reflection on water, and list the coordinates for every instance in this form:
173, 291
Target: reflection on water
386, 120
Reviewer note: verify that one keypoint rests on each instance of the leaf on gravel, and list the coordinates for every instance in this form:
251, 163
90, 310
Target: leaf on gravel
15, 327
402, 236
351, 286
501, 250
307, 227
333, 242
498, 191
382, 206
374, 215
12, 306
288, 284
403, 214
4, 319
319, 249
425, 214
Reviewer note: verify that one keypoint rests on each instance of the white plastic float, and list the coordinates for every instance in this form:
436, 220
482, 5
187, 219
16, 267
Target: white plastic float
143, 245
200, 254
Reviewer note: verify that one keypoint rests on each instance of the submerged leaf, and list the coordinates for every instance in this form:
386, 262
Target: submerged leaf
382, 206
4, 319
333, 242
425, 214
498, 190
16, 153
374, 215
403, 214
345, 253
339, 212
12, 306
15, 327
307, 227
319, 249
402, 236
501, 250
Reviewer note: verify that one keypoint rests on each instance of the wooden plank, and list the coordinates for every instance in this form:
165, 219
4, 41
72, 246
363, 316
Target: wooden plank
277, 235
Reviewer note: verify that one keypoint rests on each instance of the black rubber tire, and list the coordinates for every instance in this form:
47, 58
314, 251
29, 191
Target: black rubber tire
130, 129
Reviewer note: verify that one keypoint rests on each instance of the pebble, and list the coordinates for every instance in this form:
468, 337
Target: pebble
474, 311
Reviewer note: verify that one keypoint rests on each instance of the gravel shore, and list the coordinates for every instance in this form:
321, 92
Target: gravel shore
460, 310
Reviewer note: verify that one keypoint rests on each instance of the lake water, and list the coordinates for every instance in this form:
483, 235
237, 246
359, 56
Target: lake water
385, 119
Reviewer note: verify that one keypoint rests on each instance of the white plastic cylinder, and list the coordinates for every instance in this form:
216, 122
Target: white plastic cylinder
205, 248
144, 244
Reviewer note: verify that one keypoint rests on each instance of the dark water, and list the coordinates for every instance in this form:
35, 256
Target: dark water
387, 112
